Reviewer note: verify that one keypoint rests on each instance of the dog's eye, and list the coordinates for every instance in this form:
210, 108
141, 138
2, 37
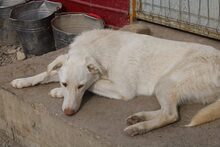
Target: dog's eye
80, 86
64, 84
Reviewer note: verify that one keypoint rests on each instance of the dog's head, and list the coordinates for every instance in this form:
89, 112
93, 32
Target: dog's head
76, 75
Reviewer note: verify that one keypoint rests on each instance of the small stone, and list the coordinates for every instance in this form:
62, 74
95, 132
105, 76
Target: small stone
20, 55
3, 48
11, 51
18, 48
13, 46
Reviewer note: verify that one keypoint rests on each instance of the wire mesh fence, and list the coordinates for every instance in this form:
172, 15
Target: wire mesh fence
196, 16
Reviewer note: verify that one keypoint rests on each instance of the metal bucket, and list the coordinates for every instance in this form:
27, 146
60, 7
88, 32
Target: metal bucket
66, 26
7, 33
32, 24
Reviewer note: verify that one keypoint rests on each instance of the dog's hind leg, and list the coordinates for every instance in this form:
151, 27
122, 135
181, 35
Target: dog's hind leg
142, 116
41, 78
167, 97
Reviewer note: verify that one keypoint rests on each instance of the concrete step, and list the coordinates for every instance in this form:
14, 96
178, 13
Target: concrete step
35, 119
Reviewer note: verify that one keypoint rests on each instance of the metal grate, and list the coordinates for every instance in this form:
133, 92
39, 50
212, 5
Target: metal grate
196, 16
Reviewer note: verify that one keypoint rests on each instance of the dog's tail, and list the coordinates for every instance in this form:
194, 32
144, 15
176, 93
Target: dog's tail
207, 114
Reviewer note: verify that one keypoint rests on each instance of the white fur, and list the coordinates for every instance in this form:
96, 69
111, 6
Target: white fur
123, 65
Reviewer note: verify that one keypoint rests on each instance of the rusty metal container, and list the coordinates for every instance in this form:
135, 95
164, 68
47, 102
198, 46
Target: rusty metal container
32, 24
66, 26
7, 33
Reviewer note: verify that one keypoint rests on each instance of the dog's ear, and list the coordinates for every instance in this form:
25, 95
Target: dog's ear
94, 67
57, 63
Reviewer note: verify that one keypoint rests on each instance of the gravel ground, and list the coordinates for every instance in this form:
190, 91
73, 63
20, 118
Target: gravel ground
10, 54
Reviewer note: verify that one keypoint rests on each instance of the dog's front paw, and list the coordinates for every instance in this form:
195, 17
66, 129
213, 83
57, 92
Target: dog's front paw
134, 130
133, 119
56, 92
19, 83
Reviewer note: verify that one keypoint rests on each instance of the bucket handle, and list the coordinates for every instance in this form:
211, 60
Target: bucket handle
94, 15
89, 14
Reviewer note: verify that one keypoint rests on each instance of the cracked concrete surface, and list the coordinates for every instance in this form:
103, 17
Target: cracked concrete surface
35, 119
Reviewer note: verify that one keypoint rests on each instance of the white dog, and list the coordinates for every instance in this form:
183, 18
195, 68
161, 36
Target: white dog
122, 65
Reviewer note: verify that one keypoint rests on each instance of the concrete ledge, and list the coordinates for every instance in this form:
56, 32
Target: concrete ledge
33, 125
5, 141
34, 119
26, 117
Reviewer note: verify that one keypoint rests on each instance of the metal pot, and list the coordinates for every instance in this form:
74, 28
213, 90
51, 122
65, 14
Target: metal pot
66, 26
32, 24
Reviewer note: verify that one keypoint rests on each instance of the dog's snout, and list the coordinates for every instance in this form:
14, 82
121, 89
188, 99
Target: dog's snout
69, 111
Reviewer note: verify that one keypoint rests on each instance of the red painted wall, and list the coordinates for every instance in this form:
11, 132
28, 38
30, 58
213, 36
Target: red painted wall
114, 12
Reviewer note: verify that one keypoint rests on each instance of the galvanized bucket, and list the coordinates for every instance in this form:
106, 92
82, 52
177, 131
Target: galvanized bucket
66, 26
7, 33
32, 23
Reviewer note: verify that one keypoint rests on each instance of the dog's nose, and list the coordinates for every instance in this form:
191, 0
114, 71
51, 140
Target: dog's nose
69, 111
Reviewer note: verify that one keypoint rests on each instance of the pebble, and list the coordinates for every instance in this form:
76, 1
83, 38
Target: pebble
20, 55
14, 46
11, 51
3, 48
18, 48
